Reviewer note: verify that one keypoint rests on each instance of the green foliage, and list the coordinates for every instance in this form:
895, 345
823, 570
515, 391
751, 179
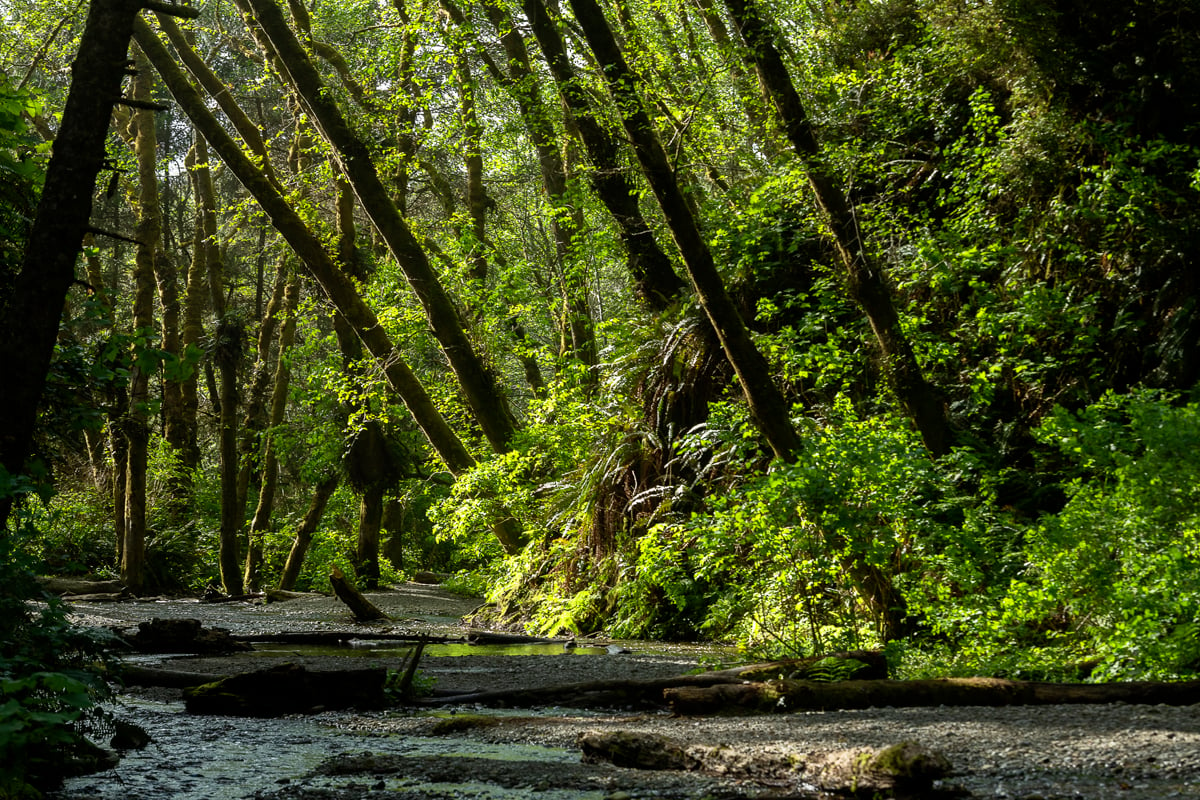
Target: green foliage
777, 560
1108, 586
48, 686
22, 168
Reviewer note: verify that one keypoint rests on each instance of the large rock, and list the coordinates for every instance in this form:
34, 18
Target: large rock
183, 636
288, 689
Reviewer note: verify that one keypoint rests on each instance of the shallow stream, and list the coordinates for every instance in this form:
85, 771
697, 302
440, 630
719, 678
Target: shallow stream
226, 758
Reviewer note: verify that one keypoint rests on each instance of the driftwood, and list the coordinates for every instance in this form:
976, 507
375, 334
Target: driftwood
75, 586
362, 608
282, 595
487, 637
906, 767
790, 695
288, 689
649, 692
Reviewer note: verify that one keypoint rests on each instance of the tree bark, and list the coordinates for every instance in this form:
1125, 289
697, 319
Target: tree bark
654, 276
229, 347
48, 266
270, 461
370, 522
480, 388
174, 409
866, 279
770, 410
136, 422
304, 533
362, 608
337, 287
251, 438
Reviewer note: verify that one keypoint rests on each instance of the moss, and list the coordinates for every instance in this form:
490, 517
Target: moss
461, 723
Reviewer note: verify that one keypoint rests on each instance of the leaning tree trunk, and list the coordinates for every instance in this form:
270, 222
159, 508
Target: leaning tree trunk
482, 392
866, 279
304, 533
338, 288
47, 270
771, 412
653, 274
566, 220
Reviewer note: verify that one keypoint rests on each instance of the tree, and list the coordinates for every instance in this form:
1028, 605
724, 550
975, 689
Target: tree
771, 412
134, 425
483, 394
48, 267
866, 279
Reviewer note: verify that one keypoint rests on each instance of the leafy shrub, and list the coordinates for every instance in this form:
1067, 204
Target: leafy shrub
1108, 587
801, 558
48, 688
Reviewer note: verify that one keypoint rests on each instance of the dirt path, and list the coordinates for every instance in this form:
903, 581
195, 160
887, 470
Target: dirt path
1127, 752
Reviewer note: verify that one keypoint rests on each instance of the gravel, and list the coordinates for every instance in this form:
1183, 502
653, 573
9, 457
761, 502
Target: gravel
1113, 751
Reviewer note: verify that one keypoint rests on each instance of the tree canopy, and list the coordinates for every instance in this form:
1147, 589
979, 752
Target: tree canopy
809, 324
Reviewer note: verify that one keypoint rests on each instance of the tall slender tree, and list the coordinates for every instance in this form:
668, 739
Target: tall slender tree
770, 410
866, 278
135, 424
480, 388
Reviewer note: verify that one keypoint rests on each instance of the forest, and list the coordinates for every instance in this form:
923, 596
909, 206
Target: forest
805, 325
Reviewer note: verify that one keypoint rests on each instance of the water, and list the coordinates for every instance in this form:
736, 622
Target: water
226, 758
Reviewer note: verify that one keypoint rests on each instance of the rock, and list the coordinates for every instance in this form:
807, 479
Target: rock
183, 636
907, 766
288, 689
634, 750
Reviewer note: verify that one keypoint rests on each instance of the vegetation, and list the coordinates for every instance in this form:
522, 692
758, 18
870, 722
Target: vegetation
902, 352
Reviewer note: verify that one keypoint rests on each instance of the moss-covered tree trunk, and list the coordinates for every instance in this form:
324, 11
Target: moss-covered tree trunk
261, 523
337, 287
480, 389
770, 410
865, 277
135, 425
47, 270
653, 274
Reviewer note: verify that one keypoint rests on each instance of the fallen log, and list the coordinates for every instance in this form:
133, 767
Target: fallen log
288, 689
77, 586
341, 638
648, 692
282, 595
362, 608
793, 695
131, 675
905, 768
101, 597
488, 637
